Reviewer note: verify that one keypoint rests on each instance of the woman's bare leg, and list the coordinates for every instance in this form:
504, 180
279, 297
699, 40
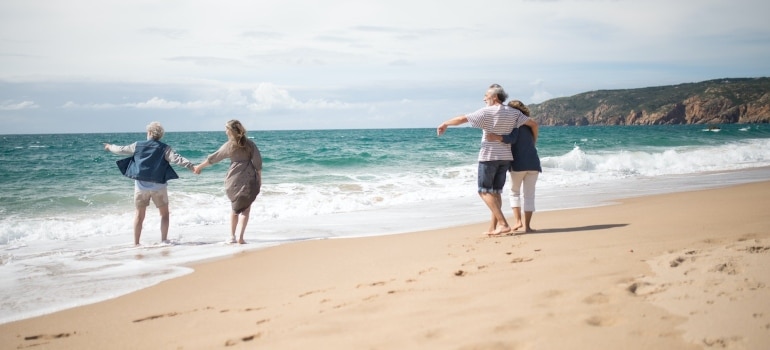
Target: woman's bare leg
517, 217
527, 219
244, 222
233, 225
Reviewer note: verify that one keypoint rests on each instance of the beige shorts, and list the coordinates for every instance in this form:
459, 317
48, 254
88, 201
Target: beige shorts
159, 198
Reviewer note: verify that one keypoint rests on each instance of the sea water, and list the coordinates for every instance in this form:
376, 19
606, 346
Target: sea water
66, 212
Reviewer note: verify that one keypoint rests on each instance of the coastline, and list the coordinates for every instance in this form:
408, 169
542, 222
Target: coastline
681, 270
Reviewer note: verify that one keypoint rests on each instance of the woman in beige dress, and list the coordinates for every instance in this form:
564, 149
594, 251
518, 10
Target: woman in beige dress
244, 178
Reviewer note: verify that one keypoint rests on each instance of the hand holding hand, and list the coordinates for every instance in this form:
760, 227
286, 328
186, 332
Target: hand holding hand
106, 146
197, 169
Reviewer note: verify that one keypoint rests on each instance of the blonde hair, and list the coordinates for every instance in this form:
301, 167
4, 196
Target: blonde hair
156, 130
520, 106
237, 133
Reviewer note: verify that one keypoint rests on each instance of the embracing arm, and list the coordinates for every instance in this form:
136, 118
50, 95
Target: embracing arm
462, 119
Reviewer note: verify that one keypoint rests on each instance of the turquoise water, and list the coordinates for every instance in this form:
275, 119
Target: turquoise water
48, 175
66, 212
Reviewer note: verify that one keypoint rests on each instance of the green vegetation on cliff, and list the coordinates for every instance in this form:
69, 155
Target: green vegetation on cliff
733, 100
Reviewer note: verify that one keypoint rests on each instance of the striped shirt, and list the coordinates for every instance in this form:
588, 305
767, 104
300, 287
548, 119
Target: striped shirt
500, 120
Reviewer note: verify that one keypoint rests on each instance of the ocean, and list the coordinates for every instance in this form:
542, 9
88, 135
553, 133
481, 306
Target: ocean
66, 234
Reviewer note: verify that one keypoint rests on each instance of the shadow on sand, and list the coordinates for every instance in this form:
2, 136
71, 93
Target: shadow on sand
574, 229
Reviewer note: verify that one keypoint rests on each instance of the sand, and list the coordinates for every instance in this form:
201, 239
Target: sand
677, 271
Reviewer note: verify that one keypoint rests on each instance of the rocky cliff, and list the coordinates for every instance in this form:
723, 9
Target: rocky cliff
721, 101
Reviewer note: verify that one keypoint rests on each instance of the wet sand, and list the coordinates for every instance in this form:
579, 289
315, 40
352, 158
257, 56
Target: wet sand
678, 271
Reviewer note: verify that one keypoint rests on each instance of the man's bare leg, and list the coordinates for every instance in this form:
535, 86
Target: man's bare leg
164, 220
138, 222
495, 203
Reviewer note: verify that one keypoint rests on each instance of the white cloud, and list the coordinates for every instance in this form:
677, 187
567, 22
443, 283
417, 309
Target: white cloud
17, 106
153, 103
210, 57
267, 96
540, 94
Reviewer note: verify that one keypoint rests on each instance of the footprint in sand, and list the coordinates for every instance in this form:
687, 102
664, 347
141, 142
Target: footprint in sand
311, 292
373, 284
756, 249
643, 288
722, 343
600, 321
730, 268
511, 325
231, 342
48, 336
154, 317
597, 298
676, 262
553, 293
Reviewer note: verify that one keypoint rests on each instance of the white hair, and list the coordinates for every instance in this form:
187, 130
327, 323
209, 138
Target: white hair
156, 130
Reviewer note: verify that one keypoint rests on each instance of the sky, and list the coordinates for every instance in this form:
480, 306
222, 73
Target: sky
83, 66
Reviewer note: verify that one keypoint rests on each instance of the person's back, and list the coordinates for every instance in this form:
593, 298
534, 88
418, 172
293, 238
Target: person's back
524, 151
500, 120
149, 163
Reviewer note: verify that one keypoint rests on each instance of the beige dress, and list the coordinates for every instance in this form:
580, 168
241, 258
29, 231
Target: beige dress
242, 182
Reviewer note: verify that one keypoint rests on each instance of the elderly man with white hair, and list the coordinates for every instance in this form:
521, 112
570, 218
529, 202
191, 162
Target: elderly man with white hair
149, 165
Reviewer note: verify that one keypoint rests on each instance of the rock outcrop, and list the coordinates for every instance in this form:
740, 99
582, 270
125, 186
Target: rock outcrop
722, 101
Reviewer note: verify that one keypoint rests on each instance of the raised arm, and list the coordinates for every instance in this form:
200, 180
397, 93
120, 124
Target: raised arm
120, 150
459, 120
197, 169
175, 158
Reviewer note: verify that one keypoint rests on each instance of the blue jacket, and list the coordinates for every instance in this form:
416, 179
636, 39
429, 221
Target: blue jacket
523, 148
148, 163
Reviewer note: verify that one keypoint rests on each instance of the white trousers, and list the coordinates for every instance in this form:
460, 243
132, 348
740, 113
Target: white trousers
523, 189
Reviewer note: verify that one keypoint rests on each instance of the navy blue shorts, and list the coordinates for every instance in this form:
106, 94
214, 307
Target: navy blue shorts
492, 175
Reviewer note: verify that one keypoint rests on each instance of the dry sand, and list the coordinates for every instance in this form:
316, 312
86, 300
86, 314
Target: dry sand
679, 271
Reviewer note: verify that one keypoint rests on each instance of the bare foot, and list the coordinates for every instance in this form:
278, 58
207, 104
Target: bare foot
517, 227
241, 241
529, 230
500, 230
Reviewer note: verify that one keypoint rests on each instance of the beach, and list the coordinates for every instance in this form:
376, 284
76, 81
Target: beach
687, 270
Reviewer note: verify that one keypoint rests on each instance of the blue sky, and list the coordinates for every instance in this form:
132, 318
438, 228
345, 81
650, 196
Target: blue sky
72, 66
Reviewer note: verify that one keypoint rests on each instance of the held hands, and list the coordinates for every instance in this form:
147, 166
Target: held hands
197, 169
106, 146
